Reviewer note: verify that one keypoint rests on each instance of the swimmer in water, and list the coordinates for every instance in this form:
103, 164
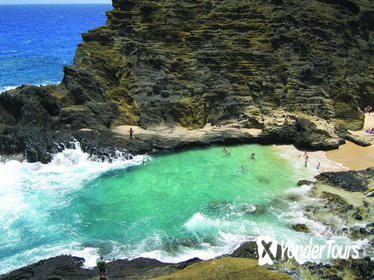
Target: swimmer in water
306, 161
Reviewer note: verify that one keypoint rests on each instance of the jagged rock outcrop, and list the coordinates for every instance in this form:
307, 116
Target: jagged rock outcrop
38, 144
41, 121
352, 181
37, 122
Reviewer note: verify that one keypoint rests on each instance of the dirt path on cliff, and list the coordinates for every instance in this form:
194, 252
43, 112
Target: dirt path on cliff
353, 156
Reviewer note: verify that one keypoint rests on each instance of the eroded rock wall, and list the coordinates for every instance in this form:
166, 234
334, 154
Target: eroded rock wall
197, 61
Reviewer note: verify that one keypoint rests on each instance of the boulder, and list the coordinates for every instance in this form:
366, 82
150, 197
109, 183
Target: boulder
301, 228
352, 181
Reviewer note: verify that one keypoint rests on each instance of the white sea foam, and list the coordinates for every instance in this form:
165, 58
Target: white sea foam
88, 253
34, 255
70, 169
226, 243
296, 159
26, 190
6, 88
200, 224
227, 237
232, 233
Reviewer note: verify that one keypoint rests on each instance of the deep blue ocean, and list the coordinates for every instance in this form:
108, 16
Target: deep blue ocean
36, 41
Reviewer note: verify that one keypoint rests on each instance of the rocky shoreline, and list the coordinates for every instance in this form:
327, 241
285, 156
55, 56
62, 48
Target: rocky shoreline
241, 264
37, 143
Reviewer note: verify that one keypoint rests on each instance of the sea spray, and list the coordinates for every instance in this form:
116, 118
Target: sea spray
173, 207
30, 196
6, 88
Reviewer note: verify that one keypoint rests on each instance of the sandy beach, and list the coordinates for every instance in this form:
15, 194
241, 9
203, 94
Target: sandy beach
353, 156
348, 156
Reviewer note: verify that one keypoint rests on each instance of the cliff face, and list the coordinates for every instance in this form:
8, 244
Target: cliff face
194, 62
297, 70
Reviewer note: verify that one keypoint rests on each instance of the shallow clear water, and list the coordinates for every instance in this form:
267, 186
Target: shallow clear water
196, 203
181, 201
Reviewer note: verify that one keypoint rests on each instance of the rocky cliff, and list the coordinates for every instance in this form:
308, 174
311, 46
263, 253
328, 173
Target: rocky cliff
197, 61
299, 70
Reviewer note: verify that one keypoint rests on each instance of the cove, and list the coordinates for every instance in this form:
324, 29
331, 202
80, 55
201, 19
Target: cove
172, 207
175, 203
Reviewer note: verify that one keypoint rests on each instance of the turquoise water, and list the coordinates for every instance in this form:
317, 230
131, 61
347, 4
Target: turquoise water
180, 200
196, 203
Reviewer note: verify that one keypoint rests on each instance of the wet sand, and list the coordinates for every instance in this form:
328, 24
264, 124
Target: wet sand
296, 157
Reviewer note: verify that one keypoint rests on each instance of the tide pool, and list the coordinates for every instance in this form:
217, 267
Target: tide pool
172, 207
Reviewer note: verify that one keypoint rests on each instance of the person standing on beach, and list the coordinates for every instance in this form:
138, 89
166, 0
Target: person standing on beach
131, 131
368, 109
101, 266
